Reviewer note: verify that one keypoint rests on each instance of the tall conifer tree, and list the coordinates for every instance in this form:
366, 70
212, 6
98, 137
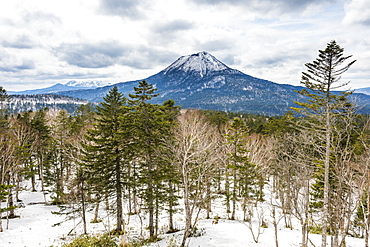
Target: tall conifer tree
324, 107
105, 154
151, 124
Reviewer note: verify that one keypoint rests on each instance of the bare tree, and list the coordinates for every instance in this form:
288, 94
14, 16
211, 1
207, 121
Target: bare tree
292, 172
194, 154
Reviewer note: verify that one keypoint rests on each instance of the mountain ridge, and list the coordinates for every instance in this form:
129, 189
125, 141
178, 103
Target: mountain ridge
202, 81
59, 87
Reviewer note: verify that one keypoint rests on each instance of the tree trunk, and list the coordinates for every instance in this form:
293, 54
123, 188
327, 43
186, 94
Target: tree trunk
156, 217
119, 198
367, 219
41, 175
208, 200
170, 208
83, 204
33, 180
188, 214
227, 193
275, 223
1, 221
151, 209
96, 211
325, 216
234, 197
304, 220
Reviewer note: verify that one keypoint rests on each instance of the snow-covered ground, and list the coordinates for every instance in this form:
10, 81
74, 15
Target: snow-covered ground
35, 228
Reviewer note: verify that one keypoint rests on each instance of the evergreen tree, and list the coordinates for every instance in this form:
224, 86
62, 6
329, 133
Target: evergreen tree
7, 151
42, 147
4, 99
59, 168
151, 125
324, 107
167, 166
243, 172
105, 154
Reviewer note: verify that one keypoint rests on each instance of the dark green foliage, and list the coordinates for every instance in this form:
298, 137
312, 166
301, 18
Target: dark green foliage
278, 125
151, 124
105, 156
243, 173
4, 194
329, 118
92, 241
4, 99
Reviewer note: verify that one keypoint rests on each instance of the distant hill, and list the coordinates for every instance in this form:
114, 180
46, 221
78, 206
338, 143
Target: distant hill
365, 90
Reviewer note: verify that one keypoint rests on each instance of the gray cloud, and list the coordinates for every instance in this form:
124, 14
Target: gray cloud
70, 76
19, 42
230, 60
91, 55
147, 57
215, 45
39, 16
169, 33
122, 8
173, 26
357, 12
25, 65
10, 62
266, 6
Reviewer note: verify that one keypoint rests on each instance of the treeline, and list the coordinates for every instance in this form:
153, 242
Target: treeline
316, 162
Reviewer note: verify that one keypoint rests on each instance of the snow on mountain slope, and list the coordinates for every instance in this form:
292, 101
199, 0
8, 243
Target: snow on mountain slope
69, 86
23, 103
201, 62
87, 84
365, 90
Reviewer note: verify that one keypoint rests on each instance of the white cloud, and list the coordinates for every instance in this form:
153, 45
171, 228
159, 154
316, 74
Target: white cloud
44, 42
357, 12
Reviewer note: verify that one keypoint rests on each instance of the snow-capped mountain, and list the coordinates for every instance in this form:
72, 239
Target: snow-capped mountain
202, 81
69, 86
201, 63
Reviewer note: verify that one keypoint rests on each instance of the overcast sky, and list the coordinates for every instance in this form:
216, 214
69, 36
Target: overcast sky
44, 42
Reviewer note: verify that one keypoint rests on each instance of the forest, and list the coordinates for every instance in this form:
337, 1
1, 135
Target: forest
160, 159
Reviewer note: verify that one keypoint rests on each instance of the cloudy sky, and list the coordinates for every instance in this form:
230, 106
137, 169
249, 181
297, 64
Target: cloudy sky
44, 42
